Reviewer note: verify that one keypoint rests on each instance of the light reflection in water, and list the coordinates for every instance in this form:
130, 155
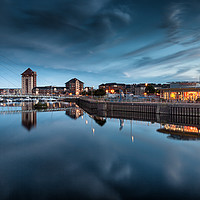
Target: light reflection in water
29, 119
62, 158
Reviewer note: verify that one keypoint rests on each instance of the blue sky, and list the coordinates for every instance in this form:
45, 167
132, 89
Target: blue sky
128, 41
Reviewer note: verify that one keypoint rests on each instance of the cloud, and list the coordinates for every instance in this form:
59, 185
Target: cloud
173, 20
160, 66
107, 37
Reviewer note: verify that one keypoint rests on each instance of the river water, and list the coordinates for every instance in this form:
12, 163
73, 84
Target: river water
73, 155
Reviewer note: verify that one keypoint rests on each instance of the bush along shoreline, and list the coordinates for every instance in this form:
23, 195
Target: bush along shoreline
40, 106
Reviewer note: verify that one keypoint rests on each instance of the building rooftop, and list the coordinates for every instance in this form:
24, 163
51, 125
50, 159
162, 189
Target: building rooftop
28, 72
119, 84
73, 80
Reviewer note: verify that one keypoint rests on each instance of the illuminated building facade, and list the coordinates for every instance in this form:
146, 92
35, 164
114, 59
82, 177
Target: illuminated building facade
181, 91
113, 87
12, 91
74, 86
28, 81
88, 89
49, 90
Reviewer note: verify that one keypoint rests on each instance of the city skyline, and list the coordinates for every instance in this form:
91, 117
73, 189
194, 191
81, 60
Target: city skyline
99, 41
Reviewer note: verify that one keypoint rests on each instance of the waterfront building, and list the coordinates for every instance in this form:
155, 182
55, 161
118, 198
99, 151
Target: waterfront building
28, 81
113, 87
181, 91
137, 89
10, 91
88, 89
49, 90
130, 88
74, 86
140, 89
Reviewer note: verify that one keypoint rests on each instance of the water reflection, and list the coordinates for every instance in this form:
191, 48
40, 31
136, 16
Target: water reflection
74, 113
121, 124
99, 120
176, 127
29, 120
180, 132
72, 159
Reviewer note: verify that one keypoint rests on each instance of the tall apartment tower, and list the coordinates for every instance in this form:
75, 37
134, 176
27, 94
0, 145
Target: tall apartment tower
28, 81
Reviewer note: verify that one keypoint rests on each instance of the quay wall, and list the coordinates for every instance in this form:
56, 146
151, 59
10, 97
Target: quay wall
177, 109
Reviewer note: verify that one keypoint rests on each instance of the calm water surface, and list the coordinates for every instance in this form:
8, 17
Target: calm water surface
68, 155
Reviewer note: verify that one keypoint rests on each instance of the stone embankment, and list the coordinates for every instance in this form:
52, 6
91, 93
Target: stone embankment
179, 109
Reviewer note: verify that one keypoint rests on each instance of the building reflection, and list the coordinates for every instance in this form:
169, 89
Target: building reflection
180, 132
29, 119
121, 123
176, 127
74, 113
99, 120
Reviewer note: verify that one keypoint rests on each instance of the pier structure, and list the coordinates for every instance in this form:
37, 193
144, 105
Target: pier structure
179, 109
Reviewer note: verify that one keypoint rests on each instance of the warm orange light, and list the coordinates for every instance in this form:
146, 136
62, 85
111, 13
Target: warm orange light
145, 93
77, 93
146, 84
112, 91
190, 129
173, 95
106, 91
70, 93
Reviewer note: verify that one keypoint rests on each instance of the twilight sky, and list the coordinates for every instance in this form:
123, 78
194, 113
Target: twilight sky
99, 41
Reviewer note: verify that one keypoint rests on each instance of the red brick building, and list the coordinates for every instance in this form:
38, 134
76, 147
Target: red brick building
29, 81
74, 86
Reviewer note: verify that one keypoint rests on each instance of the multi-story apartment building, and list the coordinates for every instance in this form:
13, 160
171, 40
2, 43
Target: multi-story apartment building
12, 91
140, 89
28, 81
74, 86
118, 87
130, 88
113, 87
49, 90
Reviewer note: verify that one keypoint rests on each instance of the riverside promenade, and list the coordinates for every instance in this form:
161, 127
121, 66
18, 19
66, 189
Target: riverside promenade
179, 109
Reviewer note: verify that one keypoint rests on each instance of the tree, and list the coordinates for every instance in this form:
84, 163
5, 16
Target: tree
150, 89
86, 93
99, 92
